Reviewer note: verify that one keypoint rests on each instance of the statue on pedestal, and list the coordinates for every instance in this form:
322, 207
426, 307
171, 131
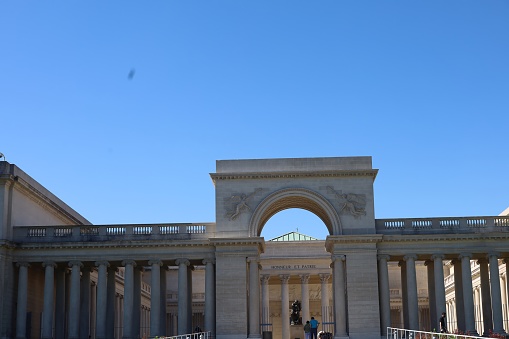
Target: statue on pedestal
295, 318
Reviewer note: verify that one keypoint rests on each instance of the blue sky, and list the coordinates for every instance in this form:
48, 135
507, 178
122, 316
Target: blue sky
421, 86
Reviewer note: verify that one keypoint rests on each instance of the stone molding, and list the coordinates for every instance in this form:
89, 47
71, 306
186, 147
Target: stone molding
75, 263
294, 175
182, 261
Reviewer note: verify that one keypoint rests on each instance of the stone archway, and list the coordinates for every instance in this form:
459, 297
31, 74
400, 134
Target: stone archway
294, 198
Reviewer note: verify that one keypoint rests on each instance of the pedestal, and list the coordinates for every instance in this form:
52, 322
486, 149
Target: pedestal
296, 332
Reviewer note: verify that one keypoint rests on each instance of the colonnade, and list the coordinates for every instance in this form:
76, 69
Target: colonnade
333, 318
463, 313
121, 310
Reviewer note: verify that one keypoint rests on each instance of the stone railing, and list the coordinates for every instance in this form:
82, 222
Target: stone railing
181, 231
443, 225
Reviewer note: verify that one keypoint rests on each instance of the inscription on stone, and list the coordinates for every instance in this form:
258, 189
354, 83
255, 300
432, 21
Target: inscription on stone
291, 267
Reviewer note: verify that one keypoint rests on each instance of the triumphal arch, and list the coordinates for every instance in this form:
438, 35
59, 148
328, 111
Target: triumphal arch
62, 277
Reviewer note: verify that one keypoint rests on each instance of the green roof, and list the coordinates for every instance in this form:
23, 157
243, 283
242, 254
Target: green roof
293, 236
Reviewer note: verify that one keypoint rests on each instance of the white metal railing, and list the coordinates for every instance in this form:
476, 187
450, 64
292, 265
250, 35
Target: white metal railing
401, 333
198, 335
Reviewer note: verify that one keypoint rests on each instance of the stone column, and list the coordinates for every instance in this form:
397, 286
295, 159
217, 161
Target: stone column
506, 300
111, 302
128, 299
339, 289
49, 288
162, 283
285, 306
468, 299
503, 296
210, 297
85, 303
182, 295
404, 294
137, 301
324, 278
102, 295
438, 264
304, 283
496, 301
485, 295
60, 312
189, 325
385, 293
413, 301
93, 309
74, 300
430, 269
458, 295
21, 312
155, 297
264, 280
254, 298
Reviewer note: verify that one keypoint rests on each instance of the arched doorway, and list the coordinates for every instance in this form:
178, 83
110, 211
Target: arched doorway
294, 198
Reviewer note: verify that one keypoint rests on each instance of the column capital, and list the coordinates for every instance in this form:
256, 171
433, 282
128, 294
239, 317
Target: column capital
410, 257
209, 261
493, 254
482, 260
49, 264
73, 263
385, 257
304, 278
182, 261
102, 263
324, 277
129, 262
23, 264
284, 278
465, 255
156, 262
437, 256
264, 278
253, 259
338, 257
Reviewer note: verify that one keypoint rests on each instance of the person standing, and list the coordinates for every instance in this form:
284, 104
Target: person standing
314, 328
443, 323
307, 330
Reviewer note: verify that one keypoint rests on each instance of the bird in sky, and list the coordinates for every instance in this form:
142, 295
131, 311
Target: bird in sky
130, 76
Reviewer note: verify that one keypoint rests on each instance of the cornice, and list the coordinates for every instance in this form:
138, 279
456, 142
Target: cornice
293, 174
444, 237
259, 242
7, 244
111, 244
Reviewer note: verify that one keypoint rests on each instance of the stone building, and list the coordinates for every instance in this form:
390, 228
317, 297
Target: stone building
62, 277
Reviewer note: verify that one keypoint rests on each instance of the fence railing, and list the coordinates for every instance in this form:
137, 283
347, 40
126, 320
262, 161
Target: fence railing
198, 335
401, 333
112, 232
443, 225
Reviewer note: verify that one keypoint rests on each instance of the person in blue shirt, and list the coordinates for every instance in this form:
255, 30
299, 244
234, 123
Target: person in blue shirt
314, 328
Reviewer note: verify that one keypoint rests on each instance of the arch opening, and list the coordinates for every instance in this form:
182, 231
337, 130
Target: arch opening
290, 199
294, 220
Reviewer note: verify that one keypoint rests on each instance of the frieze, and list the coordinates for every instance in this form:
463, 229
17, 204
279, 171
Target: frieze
285, 175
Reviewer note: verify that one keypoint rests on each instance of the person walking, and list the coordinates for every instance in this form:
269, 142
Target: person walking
307, 330
314, 328
443, 323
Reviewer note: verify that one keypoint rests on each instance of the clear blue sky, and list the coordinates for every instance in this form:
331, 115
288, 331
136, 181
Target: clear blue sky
421, 86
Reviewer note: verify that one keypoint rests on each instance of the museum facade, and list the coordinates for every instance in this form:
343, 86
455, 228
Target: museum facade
62, 277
